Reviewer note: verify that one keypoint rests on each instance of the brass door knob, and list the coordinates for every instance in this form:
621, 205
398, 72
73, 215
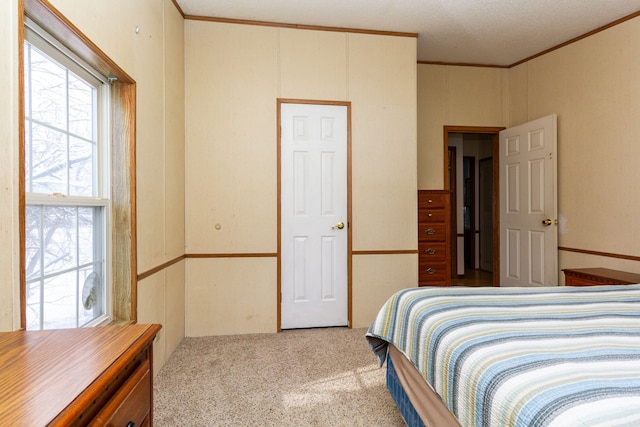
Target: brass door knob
547, 222
339, 225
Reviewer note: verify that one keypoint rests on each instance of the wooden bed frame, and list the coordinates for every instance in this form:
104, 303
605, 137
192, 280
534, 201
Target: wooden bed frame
416, 400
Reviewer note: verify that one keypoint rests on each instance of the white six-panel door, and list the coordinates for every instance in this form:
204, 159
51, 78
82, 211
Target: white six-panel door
528, 204
313, 215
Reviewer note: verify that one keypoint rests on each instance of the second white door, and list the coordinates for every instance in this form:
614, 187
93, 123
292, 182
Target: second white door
314, 237
528, 204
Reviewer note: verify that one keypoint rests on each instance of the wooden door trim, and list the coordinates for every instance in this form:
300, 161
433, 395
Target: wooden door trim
347, 104
495, 132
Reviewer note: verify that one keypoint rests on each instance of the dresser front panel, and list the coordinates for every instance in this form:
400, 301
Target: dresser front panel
434, 238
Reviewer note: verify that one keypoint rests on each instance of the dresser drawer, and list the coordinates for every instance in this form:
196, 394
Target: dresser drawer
433, 272
432, 232
431, 215
432, 200
580, 281
131, 403
432, 251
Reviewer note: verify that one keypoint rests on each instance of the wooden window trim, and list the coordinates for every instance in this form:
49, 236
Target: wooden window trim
123, 148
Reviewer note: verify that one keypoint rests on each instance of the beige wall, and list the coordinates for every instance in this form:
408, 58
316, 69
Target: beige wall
154, 58
455, 96
593, 87
234, 75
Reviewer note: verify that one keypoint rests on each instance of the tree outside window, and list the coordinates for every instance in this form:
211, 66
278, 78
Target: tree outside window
67, 205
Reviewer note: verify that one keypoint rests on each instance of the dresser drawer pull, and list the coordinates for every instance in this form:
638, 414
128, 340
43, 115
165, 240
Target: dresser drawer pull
430, 270
430, 251
131, 424
430, 201
430, 231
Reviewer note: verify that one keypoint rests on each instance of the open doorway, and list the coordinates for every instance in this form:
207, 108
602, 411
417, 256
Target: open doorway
471, 174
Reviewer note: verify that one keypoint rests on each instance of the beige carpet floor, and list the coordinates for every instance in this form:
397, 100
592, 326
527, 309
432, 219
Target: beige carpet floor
312, 377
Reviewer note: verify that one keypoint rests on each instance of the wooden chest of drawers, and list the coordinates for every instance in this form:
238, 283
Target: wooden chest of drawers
598, 276
434, 238
77, 377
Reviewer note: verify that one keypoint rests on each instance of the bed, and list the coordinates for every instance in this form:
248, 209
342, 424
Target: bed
479, 357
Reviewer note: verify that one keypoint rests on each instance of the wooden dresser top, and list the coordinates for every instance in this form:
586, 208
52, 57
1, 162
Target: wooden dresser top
42, 372
605, 274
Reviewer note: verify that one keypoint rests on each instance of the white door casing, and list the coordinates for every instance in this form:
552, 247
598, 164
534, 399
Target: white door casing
314, 244
528, 204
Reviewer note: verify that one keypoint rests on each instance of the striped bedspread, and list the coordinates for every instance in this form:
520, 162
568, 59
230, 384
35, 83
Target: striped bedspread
522, 356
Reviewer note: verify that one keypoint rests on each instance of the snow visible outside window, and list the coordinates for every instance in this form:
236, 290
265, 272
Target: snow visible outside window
67, 200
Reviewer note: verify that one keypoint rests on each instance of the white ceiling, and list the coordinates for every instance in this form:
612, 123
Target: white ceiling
496, 32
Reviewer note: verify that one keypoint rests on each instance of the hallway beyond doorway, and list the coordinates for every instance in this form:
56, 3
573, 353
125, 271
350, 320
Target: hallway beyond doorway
474, 278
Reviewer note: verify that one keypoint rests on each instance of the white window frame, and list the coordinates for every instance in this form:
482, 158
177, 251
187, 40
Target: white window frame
45, 43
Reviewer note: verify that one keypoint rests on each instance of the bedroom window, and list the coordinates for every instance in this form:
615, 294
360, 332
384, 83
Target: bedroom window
67, 186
